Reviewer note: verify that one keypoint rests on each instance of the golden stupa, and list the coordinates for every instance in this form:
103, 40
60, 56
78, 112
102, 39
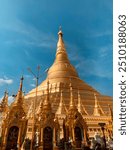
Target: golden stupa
63, 106
60, 74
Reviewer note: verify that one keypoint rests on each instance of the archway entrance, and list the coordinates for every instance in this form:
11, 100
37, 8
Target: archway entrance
12, 138
48, 138
78, 137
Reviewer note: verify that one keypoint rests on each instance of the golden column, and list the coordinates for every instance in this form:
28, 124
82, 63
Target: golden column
5, 139
19, 138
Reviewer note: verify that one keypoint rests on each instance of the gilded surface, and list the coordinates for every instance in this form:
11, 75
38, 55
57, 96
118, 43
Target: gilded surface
66, 107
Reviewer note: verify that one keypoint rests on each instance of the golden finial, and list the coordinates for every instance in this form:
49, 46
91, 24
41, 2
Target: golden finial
21, 83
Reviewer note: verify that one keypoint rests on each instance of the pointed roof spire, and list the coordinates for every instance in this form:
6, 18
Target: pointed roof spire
61, 109
96, 107
79, 102
72, 103
19, 96
46, 104
81, 108
61, 51
60, 44
4, 102
5, 98
21, 83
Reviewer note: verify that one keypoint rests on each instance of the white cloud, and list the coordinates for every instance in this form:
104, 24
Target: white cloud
5, 81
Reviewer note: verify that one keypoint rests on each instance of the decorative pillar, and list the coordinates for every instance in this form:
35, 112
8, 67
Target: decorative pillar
54, 136
5, 138
84, 132
19, 139
73, 135
41, 137
41, 140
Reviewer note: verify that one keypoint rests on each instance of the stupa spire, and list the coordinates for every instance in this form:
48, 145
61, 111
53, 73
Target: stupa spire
5, 98
81, 108
61, 109
61, 54
96, 107
79, 102
21, 83
19, 97
46, 104
4, 102
60, 43
72, 103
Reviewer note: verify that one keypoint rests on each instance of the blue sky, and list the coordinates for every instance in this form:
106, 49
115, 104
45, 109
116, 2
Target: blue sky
28, 38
